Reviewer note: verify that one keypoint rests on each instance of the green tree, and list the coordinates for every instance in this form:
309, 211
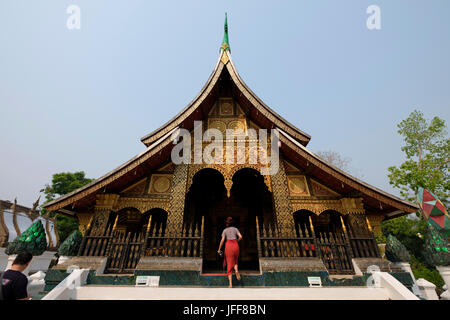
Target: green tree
63, 183
427, 151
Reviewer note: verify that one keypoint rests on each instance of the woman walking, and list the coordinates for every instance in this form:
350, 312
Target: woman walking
231, 235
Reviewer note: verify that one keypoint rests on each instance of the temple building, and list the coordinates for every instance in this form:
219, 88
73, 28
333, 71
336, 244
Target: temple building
152, 214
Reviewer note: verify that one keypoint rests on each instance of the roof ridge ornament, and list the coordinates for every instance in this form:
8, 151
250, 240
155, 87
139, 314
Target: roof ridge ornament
225, 43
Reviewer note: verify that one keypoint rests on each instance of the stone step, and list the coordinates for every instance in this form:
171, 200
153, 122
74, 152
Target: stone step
93, 292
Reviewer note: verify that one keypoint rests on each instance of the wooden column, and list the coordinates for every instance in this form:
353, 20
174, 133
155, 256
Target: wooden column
282, 203
84, 219
174, 228
177, 198
103, 207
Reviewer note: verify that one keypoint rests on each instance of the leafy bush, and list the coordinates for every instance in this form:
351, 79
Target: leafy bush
65, 226
420, 270
409, 232
380, 238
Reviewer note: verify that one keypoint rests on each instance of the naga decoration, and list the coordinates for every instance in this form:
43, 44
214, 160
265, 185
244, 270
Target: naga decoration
71, 245
433, 211
395, 250
32, 240
437, 248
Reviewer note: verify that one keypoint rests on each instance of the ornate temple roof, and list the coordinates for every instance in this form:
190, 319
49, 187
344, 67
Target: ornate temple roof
255, 107
293, 145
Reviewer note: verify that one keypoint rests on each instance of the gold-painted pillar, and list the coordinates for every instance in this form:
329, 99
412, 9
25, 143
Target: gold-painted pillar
282, 203
103, 207
83, 220
177, 198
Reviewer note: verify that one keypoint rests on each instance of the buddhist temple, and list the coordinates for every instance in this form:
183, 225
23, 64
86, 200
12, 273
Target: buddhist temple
151, 214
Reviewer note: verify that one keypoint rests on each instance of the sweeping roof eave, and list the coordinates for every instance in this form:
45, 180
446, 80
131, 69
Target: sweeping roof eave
226, 61
398, 205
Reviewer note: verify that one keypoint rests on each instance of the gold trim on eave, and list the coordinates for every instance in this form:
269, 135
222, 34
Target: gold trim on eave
224, 58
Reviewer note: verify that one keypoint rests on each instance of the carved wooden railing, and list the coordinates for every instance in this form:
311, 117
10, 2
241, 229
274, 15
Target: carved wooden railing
335, 252
336, 249
96, 242
124, 252
186, 243
363, 242
293, 244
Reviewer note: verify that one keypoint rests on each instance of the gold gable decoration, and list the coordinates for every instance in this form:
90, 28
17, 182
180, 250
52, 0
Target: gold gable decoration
344, 206
224, 58
297, 185
289, 168
170, 167
160, 184
352, 205
84, 219
138, 187
320, 190
226, 107
142, 204
106, 201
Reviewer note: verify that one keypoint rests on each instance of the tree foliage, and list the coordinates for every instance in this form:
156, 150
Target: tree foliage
63, 183
427, 151
410, 232
335, 159
339, 161
420, 270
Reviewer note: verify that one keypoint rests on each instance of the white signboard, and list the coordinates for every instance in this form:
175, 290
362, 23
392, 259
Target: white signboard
315, 281
148, 281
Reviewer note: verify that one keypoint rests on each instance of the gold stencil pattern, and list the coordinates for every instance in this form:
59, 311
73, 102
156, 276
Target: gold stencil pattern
297, 186
160, 183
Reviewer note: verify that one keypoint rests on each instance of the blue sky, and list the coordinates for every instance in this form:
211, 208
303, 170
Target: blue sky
82, 99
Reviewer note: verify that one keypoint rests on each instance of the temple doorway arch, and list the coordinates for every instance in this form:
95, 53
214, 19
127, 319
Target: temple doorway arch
249, 199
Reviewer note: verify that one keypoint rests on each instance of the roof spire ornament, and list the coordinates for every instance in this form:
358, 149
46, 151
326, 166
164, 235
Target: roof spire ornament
225, 44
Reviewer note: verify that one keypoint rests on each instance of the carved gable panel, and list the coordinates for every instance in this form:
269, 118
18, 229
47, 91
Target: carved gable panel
160, 183
137, 188
170, 167
226, 107
289, 168
297, 185
320, 190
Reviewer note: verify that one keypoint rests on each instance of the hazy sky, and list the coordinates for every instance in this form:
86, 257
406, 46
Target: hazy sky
82, 99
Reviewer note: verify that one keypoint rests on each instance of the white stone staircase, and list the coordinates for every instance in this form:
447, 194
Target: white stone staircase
93, 292
383, 287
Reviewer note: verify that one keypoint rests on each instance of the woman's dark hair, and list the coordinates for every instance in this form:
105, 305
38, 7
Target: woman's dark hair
23, 258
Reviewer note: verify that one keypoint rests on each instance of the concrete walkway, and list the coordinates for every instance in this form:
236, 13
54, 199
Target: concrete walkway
93, 292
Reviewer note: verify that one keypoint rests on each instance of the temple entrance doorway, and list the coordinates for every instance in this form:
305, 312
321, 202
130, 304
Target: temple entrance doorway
249, 199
